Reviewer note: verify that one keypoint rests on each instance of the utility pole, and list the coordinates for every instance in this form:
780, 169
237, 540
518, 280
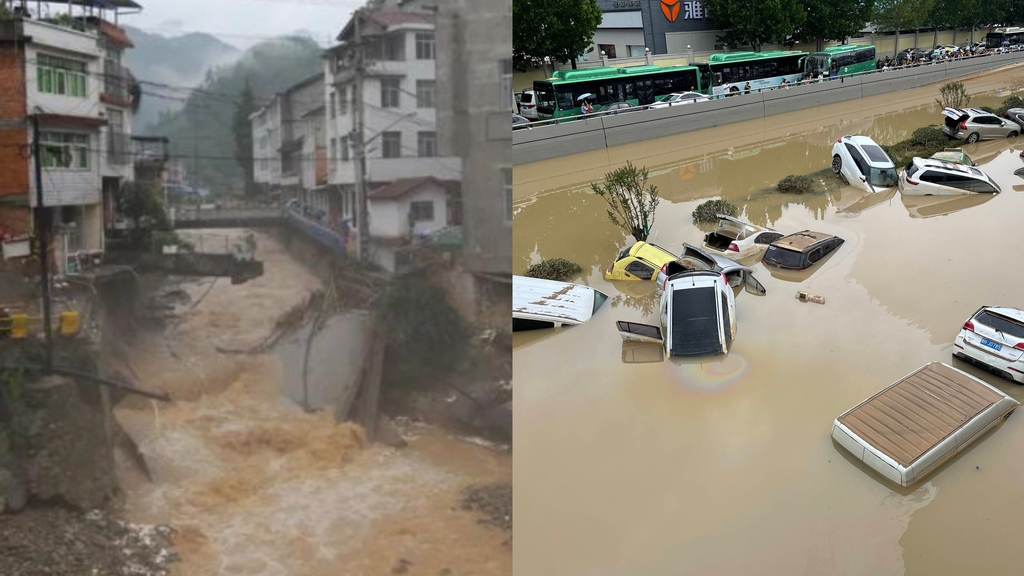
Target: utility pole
43, 222
363, 229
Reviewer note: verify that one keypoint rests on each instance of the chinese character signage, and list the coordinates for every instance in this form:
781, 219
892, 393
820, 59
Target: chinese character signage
692, 9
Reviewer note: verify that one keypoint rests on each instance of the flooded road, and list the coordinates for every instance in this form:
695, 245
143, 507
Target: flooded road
727, 466
256, 486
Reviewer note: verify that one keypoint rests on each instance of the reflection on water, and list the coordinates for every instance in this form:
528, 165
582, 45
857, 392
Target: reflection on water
931, 206
694, 457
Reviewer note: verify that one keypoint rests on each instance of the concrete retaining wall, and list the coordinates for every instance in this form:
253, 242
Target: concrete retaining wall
574, 137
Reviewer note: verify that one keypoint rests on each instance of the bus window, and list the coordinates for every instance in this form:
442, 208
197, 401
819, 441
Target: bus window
602, 95
630, 93
717, 76
545, 98
564, 97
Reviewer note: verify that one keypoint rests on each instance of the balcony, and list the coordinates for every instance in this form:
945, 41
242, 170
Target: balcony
117, 81
119, 148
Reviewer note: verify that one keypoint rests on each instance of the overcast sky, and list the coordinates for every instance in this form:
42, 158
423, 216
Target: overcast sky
243, 23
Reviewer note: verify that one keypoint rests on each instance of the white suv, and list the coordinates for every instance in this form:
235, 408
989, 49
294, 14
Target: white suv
863, 164
930, 177
993, 340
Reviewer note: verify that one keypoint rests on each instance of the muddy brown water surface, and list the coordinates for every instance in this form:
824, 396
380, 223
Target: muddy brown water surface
255, 486
727, 466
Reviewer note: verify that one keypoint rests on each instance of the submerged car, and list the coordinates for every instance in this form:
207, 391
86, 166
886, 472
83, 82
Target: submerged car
973, 124
641, 261
1015, 115
955, 155
993, 340
695, 259
520, 123
863, 164
680, 98
539, 304
801, 250
928, 177
698, 317
737, 240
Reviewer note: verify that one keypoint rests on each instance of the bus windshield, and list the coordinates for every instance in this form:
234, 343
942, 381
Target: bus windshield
545, 98
816, 64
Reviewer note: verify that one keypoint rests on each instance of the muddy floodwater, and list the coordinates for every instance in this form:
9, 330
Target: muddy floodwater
255, 486
727, 466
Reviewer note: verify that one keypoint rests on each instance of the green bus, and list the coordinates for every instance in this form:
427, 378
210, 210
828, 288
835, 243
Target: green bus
728, 74
559, 95
841, 60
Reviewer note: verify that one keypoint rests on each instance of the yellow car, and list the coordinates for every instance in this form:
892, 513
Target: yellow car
641, 261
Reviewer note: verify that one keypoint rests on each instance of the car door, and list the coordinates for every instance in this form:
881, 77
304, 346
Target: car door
932, 182
637, 332
751, 285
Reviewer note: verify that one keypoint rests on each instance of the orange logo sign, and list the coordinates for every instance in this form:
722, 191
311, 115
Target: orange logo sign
670, 8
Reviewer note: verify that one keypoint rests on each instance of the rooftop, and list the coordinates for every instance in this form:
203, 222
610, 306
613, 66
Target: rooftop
801, 240
399, 188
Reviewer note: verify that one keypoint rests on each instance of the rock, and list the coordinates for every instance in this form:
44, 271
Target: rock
389, 434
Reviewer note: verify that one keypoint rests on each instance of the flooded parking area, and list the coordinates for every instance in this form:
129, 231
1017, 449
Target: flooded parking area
726, 466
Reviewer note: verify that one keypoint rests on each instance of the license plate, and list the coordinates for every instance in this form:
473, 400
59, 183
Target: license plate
993, 345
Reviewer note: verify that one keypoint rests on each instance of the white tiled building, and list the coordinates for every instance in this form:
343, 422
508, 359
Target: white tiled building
399, 96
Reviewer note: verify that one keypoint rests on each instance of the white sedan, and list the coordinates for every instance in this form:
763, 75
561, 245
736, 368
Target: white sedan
993, 340
863, 164
680, 98
737, 240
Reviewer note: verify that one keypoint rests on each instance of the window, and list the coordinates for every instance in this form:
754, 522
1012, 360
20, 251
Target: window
343, 101
425, 48
391, 144
57, 75
334, 104
726, 322
426, 144
421, 211
932, 177
68, 150
635, 51
345, 145
506, 176
334, 153
960, 181
389, 89
608, 49
424, 93
640, 270
506, 83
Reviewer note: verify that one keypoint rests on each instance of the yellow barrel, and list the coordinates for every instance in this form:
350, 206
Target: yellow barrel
19, 325
68, 323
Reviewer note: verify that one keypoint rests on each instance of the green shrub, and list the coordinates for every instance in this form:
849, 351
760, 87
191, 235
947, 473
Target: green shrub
929, 136
709, 211
1011, 102
989, 109
796, 184
558, 269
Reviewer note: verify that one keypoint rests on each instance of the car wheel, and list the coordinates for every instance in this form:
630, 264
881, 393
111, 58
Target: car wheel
1012, 135
837, 164
972, 137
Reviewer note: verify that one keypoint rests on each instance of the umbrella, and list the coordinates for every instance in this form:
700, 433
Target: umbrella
1006, 42
587, 95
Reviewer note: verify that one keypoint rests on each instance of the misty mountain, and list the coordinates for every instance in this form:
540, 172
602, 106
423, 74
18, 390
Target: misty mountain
176, 61
200, 132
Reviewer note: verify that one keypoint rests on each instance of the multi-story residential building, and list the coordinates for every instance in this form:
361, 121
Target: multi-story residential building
474, 93
65, 73
266, 143
399, 106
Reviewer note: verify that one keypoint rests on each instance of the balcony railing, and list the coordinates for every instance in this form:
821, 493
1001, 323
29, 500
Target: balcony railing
119, 148
116, 82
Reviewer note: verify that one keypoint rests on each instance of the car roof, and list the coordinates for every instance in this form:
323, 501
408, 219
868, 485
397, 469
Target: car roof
801, 241
650, 252
940, 164
539, 299
861, 142
695, 279
1013, 313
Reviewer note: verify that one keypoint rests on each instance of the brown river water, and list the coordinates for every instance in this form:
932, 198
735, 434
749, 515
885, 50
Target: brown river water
257, 487
727, 466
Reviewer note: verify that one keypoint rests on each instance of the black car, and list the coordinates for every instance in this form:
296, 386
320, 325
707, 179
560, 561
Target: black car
800, 250
520, 123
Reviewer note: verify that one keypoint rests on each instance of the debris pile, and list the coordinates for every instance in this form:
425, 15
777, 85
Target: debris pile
56, 541
494, 501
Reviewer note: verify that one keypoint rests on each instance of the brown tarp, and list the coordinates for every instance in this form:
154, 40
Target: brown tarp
910, 417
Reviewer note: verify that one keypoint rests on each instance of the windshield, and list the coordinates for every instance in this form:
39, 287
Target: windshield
1001, 323
783, 257
816, 64
545, 98
882, 177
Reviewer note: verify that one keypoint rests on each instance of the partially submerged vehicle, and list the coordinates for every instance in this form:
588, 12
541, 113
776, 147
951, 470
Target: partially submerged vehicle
955, 155
539, 304
698, 316
695, 259
928, 177
993, 339
738, 240
640, 261
910, 428
863, 164
801, 250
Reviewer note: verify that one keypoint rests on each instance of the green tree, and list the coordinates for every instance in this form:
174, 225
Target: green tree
944, 14
833, 20
757, 22
980, 12
242, 129
631, 202
897, 15
560, 30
